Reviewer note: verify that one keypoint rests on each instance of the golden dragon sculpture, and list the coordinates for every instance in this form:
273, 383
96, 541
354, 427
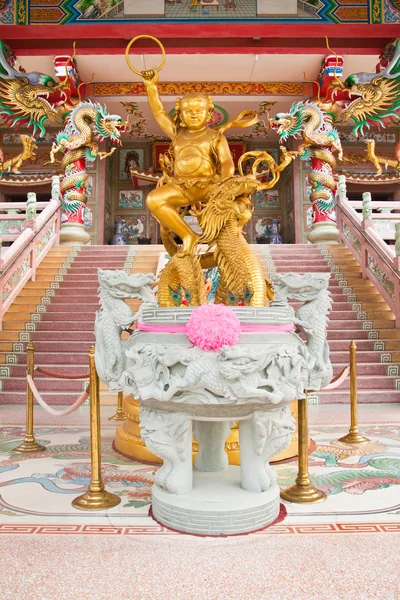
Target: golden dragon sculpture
199, 179
222, 216
29, 100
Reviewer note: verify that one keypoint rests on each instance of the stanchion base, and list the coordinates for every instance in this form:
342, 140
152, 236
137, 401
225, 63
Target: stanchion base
353, 438
30, 447
96, 500
120, 415
303, 494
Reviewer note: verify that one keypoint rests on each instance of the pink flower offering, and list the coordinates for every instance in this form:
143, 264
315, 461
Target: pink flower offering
212, 326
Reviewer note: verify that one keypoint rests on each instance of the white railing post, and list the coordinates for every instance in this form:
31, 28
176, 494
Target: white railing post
341, 194
30, 222
56, 195
367, 209
366, 223
55, 187
396, 261
31, 206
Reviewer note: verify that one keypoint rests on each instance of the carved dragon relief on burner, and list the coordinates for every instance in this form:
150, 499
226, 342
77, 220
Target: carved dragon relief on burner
261, 373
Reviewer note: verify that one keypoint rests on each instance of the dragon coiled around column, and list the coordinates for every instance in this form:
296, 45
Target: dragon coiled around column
87, 125
320, 140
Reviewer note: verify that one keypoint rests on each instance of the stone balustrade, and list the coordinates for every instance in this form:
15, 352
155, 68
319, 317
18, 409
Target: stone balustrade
33, 228
367, 234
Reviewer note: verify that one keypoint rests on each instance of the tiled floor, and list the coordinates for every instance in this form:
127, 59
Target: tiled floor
343, 547
245, 9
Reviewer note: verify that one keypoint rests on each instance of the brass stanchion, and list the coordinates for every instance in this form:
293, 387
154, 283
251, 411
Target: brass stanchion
354, 436
96, 498
120, 415
29, 444
302, 492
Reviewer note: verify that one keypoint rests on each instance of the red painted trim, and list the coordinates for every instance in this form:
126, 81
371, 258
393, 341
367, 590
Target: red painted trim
366, 47
205, 30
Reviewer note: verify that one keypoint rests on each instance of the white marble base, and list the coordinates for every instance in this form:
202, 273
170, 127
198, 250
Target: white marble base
217, 505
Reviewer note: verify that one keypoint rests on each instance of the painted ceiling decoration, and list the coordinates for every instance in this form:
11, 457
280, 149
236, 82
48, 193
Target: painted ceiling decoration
219, 88
61, 12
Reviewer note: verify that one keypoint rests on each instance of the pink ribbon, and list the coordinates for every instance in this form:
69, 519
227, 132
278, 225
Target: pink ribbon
244, 328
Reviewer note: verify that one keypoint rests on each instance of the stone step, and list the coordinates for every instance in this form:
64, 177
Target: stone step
347, 334
50, 358
381, 324
381, 305
62, 345
362, 356
73, 336
367, 382
364, 369
52, 398
71, 298
344, 344
25, 305
302, 270
389, 334
367, 396
82, 326
83, 369
18, 384
380, 314
344, 325
90, 307
6, 336
392, 345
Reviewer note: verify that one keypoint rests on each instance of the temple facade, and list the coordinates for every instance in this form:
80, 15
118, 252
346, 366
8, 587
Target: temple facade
200, 299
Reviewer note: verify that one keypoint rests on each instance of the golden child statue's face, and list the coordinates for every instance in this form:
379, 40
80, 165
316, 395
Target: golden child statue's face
194, 112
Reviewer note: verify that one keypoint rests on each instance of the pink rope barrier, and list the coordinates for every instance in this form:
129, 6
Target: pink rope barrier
47, 408
337, 381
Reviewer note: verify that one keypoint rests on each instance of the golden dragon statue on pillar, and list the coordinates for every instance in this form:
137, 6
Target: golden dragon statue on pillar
199, 179
29, 100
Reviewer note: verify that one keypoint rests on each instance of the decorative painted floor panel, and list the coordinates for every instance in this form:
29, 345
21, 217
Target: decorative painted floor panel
346, 547
362, 484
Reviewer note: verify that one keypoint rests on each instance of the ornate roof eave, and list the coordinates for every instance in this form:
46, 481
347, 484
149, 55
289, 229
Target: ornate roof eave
145, 175
24, 179
371, 178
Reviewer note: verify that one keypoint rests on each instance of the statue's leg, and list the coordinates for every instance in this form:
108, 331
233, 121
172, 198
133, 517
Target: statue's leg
211, 437
169, 436
261, 438
164, 203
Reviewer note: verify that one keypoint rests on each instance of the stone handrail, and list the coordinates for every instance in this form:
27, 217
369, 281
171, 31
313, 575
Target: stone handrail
18, 262
380, 262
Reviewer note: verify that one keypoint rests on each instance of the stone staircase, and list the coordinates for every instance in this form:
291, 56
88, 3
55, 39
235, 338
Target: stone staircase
359, 313
62, 331
57, 314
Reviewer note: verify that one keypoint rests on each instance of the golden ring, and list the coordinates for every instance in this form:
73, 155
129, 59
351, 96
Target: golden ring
148, 37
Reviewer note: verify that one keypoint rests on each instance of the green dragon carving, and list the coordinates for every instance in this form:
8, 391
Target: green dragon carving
29, 100
88, 124
320, 141
374, 98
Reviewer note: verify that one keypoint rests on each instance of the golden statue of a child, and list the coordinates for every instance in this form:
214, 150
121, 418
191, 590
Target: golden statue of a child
200, 158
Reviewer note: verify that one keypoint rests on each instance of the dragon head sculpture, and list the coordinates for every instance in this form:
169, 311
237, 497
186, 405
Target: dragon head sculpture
299, 287
121, 285
29, 99
109, 126
289, 124
374, 97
